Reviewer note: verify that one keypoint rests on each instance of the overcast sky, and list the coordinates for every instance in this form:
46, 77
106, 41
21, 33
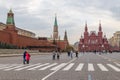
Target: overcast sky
38, 16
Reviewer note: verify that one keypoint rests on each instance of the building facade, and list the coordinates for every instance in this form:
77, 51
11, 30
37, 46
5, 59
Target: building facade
114, 41
93, 41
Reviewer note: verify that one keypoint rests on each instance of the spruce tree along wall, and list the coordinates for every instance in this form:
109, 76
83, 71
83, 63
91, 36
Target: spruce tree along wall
7, 46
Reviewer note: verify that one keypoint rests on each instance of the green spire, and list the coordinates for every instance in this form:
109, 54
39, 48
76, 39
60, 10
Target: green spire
10, 17
65, 36
10, 11
55, 23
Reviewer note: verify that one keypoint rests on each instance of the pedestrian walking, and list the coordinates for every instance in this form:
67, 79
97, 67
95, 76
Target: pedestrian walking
76, 54
24, 57
54, 54
58, 55
27, 57
71, 54
68, 53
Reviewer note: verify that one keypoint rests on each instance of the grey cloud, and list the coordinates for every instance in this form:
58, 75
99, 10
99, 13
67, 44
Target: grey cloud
3, 16
116, 12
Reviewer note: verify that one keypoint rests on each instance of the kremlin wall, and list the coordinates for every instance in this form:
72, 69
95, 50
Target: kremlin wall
9, 35
20, 31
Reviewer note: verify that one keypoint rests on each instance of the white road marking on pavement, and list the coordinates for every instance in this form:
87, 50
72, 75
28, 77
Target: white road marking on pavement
7, 66
68, 67
38, 66
48, 66
56, 70
102, 67
13, 67
90, 67
117, 64
26, 67
4, 65
59, 66
80, 66
114, 67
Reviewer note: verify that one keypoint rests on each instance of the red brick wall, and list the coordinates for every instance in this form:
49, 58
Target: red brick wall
62, 44
22, 41
26, 41
5, 37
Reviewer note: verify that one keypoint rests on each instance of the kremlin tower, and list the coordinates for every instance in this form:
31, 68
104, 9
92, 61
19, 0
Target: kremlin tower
61, 44
55, 30
10, 27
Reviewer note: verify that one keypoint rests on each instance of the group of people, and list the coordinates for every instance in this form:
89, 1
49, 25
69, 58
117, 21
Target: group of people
26, 57
56, 54
70, 53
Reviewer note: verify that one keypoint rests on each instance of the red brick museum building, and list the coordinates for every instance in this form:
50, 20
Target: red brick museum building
93, 41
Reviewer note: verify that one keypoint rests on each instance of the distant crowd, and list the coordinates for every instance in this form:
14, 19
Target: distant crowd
56, 55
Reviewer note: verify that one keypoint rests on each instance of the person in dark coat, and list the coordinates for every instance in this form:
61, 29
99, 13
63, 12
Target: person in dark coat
58, 55
76, 54
24, 57
68, 53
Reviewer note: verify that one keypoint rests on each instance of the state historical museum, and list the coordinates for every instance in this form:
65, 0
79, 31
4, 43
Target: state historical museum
93, 41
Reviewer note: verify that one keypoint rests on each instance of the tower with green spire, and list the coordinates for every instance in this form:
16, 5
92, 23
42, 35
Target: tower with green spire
55, 29
55, 23
10, 27
10, 18
65, 36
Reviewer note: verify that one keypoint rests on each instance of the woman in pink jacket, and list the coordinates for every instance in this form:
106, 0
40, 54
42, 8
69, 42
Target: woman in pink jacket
27, 57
